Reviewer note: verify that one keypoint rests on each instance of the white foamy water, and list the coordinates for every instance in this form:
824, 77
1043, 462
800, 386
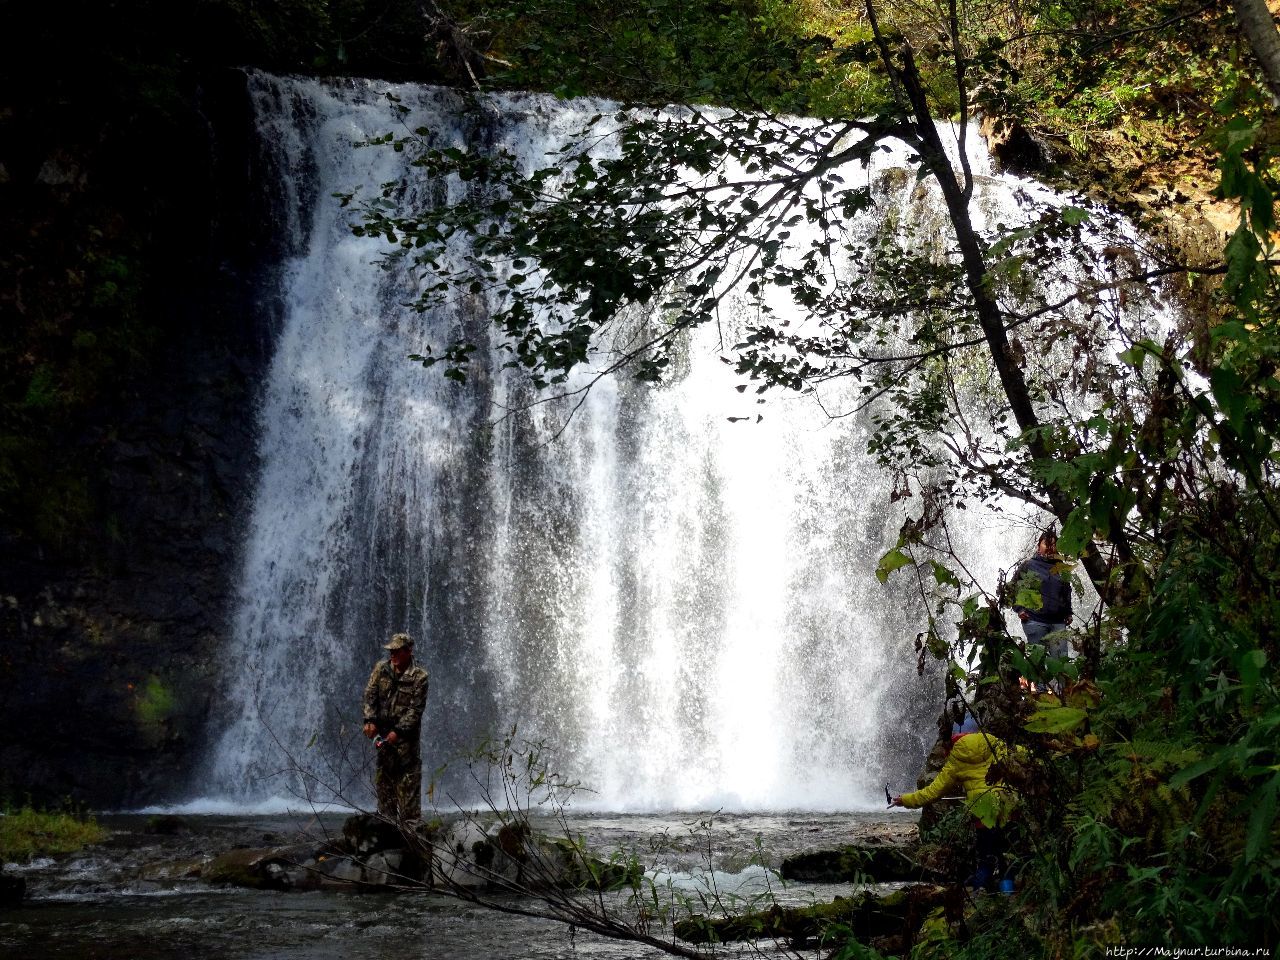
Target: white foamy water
682, 607
223, 806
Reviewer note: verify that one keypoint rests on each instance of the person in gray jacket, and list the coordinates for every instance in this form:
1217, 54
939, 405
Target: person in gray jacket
1045, 623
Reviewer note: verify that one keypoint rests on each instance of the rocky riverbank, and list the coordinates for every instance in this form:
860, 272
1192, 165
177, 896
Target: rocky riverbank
167, 854
165, 885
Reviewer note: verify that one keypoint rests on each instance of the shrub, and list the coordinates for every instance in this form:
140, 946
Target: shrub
26, 833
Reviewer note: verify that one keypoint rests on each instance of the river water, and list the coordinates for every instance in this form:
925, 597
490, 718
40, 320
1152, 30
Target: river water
126, 900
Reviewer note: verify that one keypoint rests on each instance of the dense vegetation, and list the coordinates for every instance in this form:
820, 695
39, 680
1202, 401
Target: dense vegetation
1150, 798
26, 833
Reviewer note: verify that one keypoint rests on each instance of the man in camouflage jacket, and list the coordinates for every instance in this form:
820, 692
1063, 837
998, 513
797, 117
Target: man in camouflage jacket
394, 699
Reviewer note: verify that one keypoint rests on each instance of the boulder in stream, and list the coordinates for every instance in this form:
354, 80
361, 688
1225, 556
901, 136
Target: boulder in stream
392, 868
295, 867
864, 862
367, 833
12, 890
187, 868
166, 825
868, 915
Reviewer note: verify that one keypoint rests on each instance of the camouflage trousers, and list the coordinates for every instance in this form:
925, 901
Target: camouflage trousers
398, 782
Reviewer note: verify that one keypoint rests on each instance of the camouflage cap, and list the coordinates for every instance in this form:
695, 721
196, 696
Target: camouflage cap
399, 641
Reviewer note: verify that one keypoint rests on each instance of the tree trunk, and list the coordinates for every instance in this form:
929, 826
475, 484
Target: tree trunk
990, 318
1259, 29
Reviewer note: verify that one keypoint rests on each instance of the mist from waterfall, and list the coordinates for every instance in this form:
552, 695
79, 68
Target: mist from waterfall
681, 606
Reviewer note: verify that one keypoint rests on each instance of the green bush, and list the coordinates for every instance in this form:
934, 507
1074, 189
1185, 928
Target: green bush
27, 833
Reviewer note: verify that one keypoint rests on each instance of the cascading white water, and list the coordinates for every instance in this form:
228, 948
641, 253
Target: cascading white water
683, 607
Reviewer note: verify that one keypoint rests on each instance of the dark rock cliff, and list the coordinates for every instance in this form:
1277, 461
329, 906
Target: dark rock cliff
114, 602
134, 233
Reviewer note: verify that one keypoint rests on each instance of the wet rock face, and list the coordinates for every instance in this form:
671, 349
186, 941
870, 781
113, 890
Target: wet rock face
1012, 146
110, 640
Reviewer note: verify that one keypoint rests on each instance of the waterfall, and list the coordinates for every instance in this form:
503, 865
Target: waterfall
683, 607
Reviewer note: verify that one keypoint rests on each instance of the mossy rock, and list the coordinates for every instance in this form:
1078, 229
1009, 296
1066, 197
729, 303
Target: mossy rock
184, 869
368, 833
857, 863
465, 853
166, 825
584, 870
277, 868
867, 915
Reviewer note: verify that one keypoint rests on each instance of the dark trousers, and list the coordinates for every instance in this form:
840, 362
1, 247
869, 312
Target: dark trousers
990, 843
398, 781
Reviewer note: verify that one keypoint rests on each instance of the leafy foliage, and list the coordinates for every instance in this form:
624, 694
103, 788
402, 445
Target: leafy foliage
26, 833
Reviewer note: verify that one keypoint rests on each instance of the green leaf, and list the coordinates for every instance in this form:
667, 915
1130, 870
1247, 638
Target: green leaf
1028, 596
1229, 392
1198, 769
1261, 207
1241, 254
1005, 243
1074, 216
987, 808
944, 576
893, 560
1264, 814
1076, 532
1055, 719
1101, 504
1134, 357
936, 645
1251, 664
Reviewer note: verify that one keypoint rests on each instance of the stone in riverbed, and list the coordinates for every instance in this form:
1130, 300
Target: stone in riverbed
175, 869
276, 868
867, 915
367, 833
166, 825
462, 856
12, 890
462, 853
865, 862
392, 868
514, 857
341, 871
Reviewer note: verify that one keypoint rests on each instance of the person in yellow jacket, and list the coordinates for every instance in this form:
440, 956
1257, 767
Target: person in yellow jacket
971, 756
